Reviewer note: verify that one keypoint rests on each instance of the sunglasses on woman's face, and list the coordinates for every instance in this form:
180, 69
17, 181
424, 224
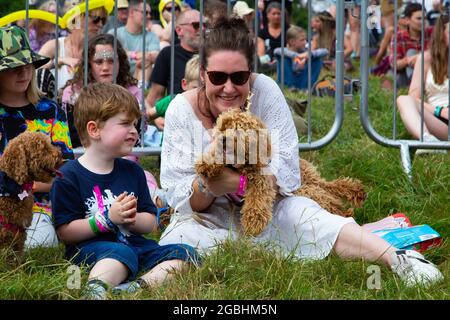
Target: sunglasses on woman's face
238, 78
97, 19
170, 9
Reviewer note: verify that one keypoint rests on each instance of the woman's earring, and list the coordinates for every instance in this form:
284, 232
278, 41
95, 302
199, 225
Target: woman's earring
248, 102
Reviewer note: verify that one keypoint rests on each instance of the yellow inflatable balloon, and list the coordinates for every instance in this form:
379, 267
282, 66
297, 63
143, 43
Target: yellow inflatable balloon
50, 17
32, 14
81, 8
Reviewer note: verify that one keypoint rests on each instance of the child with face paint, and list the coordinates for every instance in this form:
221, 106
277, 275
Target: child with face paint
100, 69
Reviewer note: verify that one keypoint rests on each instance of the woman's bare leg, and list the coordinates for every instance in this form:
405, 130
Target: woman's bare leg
409, 109
354, 242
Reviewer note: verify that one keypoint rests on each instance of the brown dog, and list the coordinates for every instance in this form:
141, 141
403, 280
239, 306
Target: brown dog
329, 194
27, 158
235, 125
247, 134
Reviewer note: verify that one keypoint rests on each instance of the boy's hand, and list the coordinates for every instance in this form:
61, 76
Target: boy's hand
123, 210
301, 59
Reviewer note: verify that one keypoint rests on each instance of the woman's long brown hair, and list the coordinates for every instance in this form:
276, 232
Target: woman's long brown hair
326, 35
439, 51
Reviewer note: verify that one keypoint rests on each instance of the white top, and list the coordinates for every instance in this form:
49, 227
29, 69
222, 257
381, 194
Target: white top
185, 140
63, 72
437, 94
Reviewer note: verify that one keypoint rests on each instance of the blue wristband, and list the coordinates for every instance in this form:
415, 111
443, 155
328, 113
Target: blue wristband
110, 224
437, 111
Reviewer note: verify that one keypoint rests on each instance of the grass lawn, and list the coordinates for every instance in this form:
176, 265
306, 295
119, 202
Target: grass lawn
239, 270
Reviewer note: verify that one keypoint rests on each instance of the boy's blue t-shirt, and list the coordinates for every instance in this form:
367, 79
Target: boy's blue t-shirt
76, 195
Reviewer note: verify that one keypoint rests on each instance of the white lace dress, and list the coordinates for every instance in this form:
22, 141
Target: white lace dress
299, 226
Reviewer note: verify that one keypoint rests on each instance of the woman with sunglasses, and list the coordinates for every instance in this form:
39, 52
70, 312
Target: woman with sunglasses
70, 48
203, 215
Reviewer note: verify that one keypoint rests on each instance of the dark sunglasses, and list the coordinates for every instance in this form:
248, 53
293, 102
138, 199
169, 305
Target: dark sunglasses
170, 8
195, 25
238, 78
97, 19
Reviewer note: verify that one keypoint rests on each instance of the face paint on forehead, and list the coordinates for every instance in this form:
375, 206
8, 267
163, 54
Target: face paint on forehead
104, 55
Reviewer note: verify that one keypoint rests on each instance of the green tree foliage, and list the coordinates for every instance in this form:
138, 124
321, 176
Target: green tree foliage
8, 6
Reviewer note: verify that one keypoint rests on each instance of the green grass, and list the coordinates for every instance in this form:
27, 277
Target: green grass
240, 270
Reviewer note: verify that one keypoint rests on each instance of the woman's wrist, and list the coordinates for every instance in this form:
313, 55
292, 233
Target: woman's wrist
202, 187
444, 113
437, 111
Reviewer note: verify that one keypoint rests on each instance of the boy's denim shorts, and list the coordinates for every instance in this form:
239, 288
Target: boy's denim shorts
140, 254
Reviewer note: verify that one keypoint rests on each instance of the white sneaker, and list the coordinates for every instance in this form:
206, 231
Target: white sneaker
431, 151
414, 269
95, 290
427, 137
127, 287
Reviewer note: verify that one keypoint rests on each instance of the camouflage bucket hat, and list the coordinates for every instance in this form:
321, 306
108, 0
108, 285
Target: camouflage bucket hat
15, 50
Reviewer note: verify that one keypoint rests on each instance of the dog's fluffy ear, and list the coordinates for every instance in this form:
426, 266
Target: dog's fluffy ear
264, 147
42, 155
14, 162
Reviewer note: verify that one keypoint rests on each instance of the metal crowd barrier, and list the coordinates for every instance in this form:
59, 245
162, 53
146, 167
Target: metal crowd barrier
310, 144
404, 145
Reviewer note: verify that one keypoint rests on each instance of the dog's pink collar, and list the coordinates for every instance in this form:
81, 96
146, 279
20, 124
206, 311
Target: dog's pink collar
27, 190
10, 188
10, 226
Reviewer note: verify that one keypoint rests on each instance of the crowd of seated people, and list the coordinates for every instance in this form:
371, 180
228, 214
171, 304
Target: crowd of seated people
105, 83
293, 54
134, 22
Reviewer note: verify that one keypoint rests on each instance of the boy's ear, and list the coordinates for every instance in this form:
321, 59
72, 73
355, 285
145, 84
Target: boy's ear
183, 84
93, 130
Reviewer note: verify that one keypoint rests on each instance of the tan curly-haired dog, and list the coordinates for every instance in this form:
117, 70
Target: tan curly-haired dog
235, 125
249, 139
329, 194
27, 158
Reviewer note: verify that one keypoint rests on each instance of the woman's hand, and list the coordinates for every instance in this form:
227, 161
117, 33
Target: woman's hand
227, 182
70, 62
411, 61
123, 210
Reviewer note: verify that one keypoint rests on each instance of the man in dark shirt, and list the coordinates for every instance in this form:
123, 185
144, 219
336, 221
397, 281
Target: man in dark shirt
188, 31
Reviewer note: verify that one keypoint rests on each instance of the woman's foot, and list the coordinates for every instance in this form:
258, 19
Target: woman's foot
428, 137
414, 269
